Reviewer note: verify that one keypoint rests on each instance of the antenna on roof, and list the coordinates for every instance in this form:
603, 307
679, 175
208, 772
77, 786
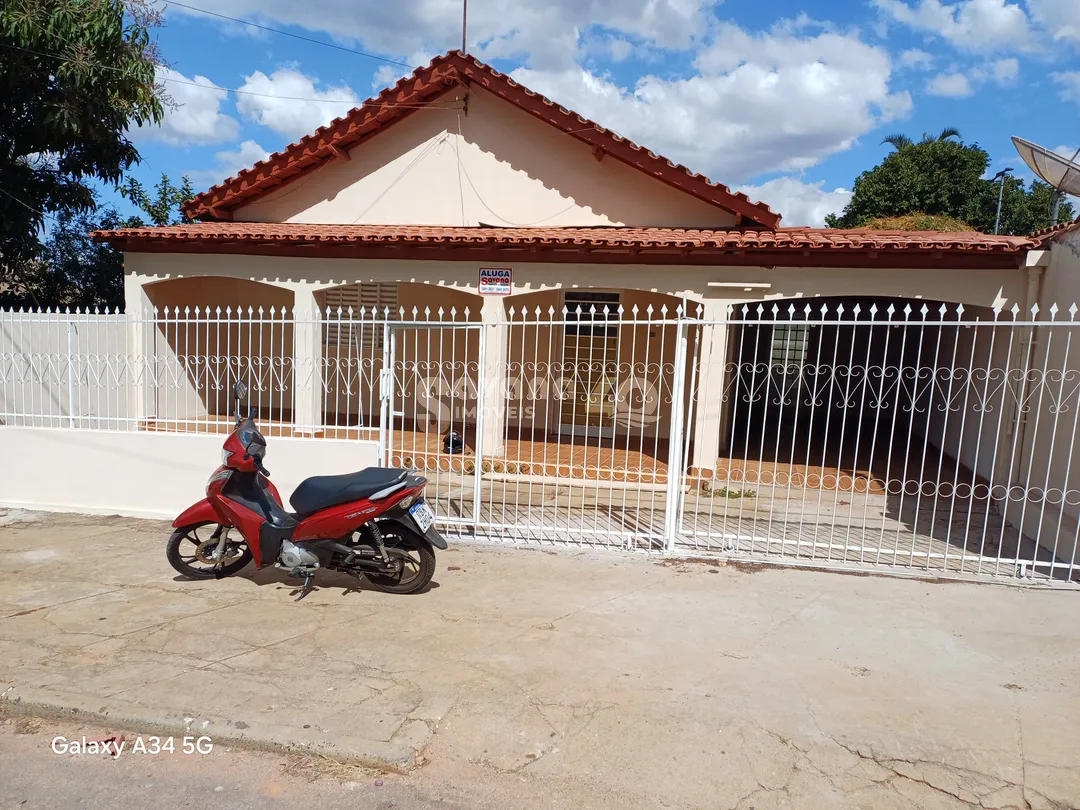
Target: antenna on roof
464, 22
1061, 173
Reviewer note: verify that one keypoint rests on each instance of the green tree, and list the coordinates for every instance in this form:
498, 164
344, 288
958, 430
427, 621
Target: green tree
75, 75
163, 208
943, 176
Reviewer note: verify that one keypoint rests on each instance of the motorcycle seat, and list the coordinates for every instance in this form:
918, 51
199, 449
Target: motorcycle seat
323, 491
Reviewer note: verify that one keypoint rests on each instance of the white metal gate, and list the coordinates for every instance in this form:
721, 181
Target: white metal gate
840, 432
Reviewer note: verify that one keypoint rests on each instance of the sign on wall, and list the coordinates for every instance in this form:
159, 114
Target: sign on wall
495, 280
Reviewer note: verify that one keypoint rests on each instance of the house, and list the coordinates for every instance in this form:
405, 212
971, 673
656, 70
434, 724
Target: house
481, 258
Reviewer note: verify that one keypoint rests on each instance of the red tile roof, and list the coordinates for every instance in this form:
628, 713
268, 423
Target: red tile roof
826, 240
424, 87
1056, 232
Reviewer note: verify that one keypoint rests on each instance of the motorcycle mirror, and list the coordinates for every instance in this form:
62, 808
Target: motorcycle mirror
240, 390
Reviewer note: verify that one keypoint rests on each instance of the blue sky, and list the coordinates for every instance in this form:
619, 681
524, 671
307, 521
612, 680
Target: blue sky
787, 100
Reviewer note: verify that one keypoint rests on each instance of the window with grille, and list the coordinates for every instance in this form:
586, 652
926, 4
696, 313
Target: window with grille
789, 344
374, 298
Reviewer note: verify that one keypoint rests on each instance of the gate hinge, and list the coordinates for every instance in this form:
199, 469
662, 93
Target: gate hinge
385, 382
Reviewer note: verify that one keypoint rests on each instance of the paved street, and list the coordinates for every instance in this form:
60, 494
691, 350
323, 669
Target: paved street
536, 678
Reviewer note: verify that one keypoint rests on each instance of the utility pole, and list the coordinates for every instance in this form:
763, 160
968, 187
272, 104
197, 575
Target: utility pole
464, 22
1001, 193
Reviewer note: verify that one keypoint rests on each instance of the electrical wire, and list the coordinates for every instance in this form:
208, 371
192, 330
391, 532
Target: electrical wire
287, 33
236, 91
462, 170
27, 205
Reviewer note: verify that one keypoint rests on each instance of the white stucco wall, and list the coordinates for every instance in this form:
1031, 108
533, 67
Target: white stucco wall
497, 165
153, 475
1051, 437
978, 287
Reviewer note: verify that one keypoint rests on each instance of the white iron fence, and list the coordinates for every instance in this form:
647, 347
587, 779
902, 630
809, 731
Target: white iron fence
844, 433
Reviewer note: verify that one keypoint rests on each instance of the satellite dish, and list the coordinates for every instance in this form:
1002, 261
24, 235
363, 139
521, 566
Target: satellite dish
1060, 172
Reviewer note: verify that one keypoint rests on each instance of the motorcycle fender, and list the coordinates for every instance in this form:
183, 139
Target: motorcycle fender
200, 512
431, 535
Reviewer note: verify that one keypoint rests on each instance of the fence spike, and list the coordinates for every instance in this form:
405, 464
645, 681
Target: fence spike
1072, 312
512, 312
839, 310
925, 310
907, 311
1015, 311
1053, 311
959, 311
1035, 310
663, 310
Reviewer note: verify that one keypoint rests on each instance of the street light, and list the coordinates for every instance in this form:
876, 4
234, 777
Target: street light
1001, 192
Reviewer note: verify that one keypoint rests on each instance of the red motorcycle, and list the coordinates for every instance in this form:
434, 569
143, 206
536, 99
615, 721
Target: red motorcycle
373, 523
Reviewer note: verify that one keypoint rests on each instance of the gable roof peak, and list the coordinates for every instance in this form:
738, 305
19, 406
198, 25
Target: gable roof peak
423, 88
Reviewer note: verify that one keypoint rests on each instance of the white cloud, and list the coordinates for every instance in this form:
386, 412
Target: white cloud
1005, 70
195, 113
800, 203
1060, 18
972, 25
620, 49
761, 103
914, 58
228, 164
545, 34
1069, 82
298, 107
950, 85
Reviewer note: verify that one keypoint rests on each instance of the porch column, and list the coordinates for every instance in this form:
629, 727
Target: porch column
139, 315
307, 371
492, 430
711, 414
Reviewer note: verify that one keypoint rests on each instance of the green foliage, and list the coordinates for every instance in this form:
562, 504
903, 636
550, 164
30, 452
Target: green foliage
918, 221
75, 75
940, 176
162, 208
72, 270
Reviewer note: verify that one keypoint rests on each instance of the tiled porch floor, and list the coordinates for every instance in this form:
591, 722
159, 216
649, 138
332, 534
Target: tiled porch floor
621, 459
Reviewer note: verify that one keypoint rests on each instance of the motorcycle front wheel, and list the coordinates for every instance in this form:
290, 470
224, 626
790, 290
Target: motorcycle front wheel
190, 549
414, 559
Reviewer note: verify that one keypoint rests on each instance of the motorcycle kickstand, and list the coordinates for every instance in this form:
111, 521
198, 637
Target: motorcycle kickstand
306, 588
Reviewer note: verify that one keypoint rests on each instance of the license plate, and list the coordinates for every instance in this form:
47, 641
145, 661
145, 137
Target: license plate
423, 515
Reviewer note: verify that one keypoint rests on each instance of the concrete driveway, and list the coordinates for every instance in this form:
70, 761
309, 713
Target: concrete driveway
586, 679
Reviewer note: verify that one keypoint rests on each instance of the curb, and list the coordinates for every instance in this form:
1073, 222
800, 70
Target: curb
258, 735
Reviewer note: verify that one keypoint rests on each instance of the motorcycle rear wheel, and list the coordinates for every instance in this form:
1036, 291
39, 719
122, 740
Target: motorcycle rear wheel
181, 552
417, 559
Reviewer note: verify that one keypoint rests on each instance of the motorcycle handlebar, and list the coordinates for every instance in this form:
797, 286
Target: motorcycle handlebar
259, 466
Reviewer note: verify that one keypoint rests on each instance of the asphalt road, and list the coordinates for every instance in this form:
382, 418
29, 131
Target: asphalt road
32, 775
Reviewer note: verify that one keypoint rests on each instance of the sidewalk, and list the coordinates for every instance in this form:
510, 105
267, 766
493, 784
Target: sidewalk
541, 678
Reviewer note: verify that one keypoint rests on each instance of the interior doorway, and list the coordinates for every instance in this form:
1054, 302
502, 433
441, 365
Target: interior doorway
590, 343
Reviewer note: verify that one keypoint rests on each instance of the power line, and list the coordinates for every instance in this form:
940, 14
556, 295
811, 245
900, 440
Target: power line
237, 91
287, 33
27, 205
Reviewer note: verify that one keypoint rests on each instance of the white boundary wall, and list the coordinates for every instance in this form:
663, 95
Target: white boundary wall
149, 475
